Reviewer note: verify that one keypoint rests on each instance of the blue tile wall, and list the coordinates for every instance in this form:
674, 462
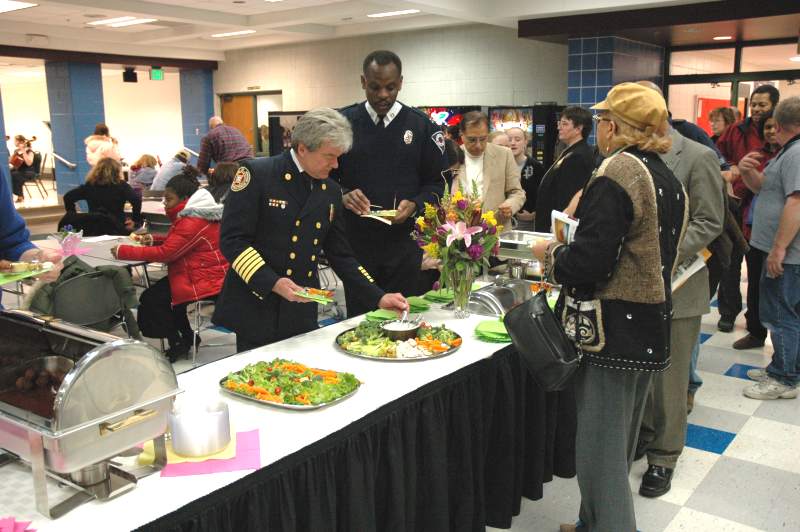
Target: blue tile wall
5, 177
75, 95
595, 64
197, 105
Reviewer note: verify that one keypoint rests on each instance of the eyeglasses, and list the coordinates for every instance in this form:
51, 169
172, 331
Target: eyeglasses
598, 118
475, 140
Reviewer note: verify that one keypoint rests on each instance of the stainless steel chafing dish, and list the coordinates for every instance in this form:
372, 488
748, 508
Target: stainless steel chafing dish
517, 244
94, 397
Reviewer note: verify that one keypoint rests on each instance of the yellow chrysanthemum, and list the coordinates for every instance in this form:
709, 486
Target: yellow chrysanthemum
421, 223
430, 211
432, 250
489, 218
457, 196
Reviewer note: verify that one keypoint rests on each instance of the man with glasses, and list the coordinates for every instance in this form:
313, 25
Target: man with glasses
396, 163
571, 171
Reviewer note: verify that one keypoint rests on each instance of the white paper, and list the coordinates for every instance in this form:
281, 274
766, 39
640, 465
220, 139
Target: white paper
564, 226
689, 267
101, 238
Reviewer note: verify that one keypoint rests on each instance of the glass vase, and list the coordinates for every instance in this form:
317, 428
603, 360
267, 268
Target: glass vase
461, 284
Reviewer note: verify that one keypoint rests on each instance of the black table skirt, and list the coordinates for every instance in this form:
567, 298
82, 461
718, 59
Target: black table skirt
458, 454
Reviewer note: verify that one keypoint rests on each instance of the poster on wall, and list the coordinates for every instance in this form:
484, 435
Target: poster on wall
450, 116
503, 118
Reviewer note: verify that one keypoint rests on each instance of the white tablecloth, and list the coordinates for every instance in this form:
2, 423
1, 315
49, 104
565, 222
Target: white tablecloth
282, 432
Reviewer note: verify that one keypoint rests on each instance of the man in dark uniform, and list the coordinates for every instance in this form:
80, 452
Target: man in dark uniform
396, 162
281, 214
572, 169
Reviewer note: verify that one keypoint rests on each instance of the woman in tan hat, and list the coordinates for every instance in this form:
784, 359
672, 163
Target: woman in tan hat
616, 296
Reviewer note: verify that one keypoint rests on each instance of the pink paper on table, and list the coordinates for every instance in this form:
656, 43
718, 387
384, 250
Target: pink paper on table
79, 251
248, 456
7, 524
22, 526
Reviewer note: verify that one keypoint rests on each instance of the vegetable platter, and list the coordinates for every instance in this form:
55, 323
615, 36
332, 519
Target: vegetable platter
368, 340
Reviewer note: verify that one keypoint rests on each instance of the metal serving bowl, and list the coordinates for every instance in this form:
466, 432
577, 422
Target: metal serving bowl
405, 334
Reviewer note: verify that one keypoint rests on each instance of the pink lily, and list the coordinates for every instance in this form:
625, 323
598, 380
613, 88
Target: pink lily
460, 231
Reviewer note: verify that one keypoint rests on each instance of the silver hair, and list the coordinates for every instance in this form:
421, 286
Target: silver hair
787, 113
321, 125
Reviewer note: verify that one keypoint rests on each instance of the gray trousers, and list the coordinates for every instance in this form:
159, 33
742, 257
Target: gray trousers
610, 405
664, 423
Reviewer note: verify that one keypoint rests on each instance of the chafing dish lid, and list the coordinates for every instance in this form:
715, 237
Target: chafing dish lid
111, 378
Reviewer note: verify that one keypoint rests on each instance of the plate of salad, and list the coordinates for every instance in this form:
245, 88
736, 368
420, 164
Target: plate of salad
289, 384
368, 340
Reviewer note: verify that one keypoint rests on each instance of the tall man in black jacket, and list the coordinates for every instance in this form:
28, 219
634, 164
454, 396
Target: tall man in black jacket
396, 162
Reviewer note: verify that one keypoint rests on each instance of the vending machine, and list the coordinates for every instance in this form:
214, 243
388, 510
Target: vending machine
545, 132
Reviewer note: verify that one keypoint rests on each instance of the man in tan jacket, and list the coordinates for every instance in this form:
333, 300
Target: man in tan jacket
489, 168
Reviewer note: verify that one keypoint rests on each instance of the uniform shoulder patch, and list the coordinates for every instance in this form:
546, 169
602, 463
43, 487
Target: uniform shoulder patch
241, 179
439, 140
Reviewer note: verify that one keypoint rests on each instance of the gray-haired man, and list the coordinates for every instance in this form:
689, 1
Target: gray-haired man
282, 213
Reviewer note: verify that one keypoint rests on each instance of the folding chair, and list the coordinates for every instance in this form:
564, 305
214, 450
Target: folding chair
36, 180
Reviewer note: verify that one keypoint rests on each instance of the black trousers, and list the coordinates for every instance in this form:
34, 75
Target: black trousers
729, 298
395, 265
18, 179
157, 317
755, 263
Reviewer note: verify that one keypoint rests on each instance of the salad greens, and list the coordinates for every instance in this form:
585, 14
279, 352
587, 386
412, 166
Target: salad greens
288, 382
369, 339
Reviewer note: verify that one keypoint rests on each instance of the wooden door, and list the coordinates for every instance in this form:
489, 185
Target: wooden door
239, 111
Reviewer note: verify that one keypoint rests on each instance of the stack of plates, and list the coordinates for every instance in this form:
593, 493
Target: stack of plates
443, 295
381, 315
492, 331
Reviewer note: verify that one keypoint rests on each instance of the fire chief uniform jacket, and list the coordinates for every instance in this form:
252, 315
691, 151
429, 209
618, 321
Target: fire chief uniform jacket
276, 223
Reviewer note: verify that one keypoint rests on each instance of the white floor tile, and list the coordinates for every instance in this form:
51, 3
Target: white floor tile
725, 393
768, 443
689, 520
692, 468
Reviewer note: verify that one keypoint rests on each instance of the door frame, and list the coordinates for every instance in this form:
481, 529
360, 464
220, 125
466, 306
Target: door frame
254, 94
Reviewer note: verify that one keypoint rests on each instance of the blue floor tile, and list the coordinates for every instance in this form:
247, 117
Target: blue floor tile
740, 371
715, 304
327, 321
221, 329
706, 439
704, 337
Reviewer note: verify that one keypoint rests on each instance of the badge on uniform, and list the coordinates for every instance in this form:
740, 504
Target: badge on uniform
331, 213
241, 179
408, 136
278, 204
438, 139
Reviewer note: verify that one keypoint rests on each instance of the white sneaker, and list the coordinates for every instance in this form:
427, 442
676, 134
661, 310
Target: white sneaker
769, 388
757, 374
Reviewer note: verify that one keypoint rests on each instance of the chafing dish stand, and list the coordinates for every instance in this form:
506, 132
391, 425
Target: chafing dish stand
72, 399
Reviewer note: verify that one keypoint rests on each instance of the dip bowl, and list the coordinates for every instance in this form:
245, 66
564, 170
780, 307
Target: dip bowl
400, 330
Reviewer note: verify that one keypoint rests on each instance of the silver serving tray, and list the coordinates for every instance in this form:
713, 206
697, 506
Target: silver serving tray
404, 359
284, 405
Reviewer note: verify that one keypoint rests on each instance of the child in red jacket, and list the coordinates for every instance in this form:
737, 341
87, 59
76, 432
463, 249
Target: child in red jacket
196, 268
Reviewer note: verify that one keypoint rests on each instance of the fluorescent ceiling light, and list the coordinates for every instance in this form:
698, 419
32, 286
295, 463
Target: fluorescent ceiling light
723, 38
133, 22
110, 21
796, 59
233, 33
273, 1
394, 13
12, 5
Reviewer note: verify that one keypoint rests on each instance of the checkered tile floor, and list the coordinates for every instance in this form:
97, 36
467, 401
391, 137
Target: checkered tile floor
740, 470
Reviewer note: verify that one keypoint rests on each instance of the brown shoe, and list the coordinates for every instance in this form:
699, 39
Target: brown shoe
748, 342
689, 403
568, 528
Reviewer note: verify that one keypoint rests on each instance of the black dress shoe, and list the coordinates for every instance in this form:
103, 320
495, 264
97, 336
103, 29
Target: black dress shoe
641, 450
748, 342
725, 324
656, 481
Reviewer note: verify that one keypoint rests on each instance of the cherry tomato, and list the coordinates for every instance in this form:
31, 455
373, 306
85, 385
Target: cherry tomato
277, 390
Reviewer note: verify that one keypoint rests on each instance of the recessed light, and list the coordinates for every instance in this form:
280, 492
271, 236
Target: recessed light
233, 33
723, 38
273, 1
12, 5
796, 59
394, 13
133, 22
110, 21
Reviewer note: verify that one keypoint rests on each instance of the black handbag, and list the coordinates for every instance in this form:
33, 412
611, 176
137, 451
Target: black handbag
542, 343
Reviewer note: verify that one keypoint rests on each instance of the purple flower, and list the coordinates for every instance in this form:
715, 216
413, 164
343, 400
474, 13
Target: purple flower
475, 251
492, 230
462, 204
436, 285
484, 225
420, 242
441, 231
434, 239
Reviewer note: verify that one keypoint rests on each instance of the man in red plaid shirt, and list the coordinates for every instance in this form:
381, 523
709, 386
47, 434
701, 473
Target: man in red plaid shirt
222, 144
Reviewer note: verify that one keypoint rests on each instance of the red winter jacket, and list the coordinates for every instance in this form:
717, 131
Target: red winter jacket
191, 249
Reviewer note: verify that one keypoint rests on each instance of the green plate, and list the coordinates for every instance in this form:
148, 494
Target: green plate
382, 315
14, 277
418, 304
322, 300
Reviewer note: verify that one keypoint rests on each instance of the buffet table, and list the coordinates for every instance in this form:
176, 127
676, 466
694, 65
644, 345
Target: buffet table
444, 444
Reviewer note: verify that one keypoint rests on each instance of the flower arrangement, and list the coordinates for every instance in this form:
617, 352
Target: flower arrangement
69, 239
462, 237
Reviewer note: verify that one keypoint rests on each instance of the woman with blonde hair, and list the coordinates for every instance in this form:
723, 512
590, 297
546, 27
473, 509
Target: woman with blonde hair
143, 172
616, 297
106, 193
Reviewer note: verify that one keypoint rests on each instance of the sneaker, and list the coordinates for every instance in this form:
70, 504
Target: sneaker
757, 374
769, 388
748, 342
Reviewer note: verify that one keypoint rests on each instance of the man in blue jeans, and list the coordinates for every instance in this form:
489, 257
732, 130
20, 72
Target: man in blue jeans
776, 223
